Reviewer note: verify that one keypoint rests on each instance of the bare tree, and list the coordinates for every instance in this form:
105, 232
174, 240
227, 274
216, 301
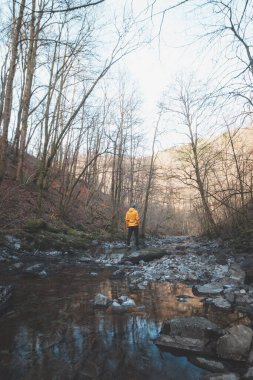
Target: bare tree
27, 92
8, 95
190, 108
150, 176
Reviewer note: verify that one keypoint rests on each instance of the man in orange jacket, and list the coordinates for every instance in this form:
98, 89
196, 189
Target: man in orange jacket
132, 223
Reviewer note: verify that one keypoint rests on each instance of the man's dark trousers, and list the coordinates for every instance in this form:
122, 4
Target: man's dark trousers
135, 230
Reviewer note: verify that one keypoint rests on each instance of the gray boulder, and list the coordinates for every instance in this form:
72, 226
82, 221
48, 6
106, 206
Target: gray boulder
18, 265
101, 300
248, 375
229, 295
195, 334
210, 365
235, 344
35, 268
211, 289
207, 290
128, 304
221, 303
192, 327
180, 344
147, 254
123, 304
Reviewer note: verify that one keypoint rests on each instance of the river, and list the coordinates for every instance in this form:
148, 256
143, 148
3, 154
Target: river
51, 330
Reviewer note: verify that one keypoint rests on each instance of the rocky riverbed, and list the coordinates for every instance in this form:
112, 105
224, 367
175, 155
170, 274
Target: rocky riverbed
214, 272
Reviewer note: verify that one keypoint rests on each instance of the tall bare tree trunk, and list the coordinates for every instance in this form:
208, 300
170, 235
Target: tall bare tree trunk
150, 179
31, 62
6, 115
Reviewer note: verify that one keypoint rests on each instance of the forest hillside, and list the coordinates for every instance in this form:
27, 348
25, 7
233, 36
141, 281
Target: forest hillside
76, 146
175, 204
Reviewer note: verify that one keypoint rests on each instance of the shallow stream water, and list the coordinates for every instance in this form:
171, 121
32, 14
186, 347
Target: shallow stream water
52, 332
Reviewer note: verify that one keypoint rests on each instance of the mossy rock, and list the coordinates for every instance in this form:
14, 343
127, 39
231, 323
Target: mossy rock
46, 240
75, 233
146, 254
35, 225
247, 233
27, 245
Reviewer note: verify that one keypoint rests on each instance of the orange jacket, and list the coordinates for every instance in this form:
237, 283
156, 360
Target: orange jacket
132, 218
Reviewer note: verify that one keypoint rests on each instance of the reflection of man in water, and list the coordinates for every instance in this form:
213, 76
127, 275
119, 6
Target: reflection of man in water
132, 223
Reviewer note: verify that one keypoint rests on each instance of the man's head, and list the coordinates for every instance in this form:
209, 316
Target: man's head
133, 205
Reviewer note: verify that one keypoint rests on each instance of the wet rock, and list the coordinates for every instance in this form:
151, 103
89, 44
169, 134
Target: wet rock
93, 274
248, 375
221, 303
210, 365
3, 259
53, 253
181, 343
192, 276
141, 286
207, 289
101, 300
85, 259
212, 259
5, 295
229, 295
13, 242
122, 304
222, 376
195, 334
145, 255
242, 299
220, 270
18, 265
235, 344
194, 327
123, 298
119, 273
34, 268
236, 273
222, 258
207, 301
42, 274
128, 304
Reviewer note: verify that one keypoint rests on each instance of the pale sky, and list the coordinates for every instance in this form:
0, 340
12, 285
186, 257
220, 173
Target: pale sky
155, 66
179, 51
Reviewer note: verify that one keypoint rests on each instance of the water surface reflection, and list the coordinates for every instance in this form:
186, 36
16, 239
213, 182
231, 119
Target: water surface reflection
52, 332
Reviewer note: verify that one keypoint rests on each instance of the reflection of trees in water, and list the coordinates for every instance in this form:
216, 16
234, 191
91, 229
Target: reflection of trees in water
110, 345
57, 333
161, 302
224, 318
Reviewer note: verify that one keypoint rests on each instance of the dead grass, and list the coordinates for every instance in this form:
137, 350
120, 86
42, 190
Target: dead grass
19, 204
